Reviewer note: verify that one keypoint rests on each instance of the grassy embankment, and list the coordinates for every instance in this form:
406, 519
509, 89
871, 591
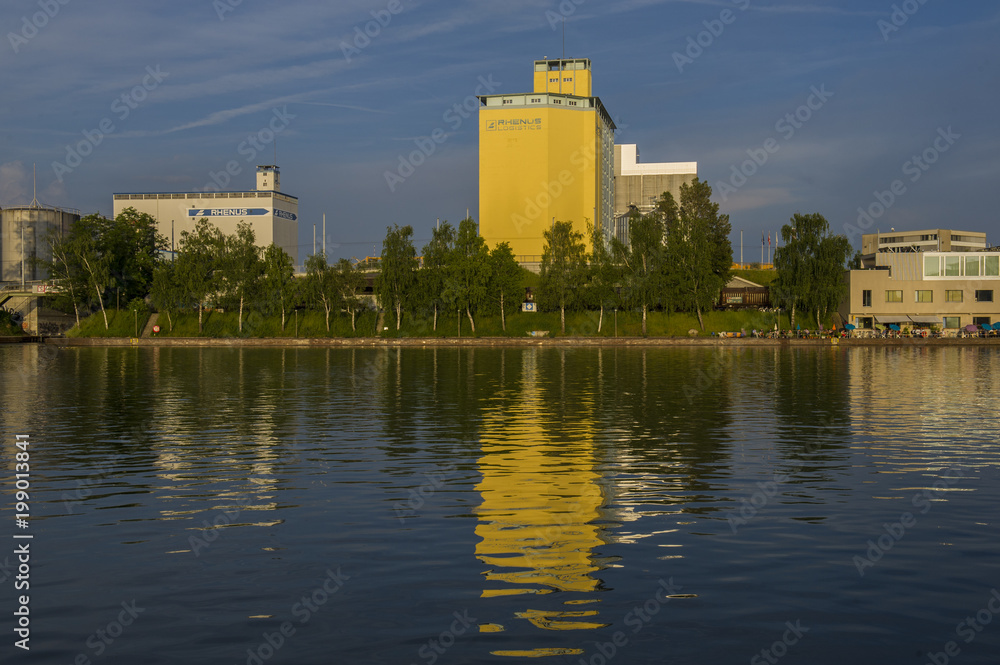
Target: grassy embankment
121, 323
310, 324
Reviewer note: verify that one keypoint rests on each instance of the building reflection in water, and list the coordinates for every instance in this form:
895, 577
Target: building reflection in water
541, 498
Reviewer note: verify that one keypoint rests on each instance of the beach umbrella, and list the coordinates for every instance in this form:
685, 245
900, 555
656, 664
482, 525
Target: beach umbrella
971, 328
894, 327
850, 326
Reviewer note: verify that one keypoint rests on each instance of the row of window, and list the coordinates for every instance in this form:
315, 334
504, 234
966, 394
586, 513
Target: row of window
955, 322
968, 265
565, 80
925, 296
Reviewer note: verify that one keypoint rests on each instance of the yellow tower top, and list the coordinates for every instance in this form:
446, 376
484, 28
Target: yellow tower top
567, 77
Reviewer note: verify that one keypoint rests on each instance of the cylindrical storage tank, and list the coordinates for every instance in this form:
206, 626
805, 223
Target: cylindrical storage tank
24, 237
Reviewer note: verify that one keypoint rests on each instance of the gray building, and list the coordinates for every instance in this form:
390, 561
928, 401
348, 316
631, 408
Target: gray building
639, 186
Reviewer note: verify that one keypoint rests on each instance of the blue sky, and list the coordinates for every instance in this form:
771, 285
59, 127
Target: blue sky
898, 80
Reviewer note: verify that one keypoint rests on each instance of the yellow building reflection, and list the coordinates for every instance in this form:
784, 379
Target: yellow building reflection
540, 501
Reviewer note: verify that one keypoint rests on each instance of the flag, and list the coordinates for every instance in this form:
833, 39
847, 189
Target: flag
761, 238
769, 239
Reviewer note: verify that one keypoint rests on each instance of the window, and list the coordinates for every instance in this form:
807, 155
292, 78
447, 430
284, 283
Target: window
984, 296
952, 322
980, 320
553, 80
932, 266
952, 266
991, 266
572, 103
925, 296
568, 80
557, 101
866, 298
894, 296
508, 101
536, 100
953, 296
972, 266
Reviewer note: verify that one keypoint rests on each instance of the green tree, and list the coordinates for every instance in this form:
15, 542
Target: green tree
504, 288
349, 280
641, 261
394, 285
278, 283
564, 266
133, 246
321, 284
65, 269
468, 275
198, 262
167, 291
810, 265
99, 256
699, 254
95, 264
437, 255
604, 273
241, 267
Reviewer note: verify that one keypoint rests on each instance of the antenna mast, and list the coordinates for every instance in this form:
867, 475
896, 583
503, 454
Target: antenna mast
34, 187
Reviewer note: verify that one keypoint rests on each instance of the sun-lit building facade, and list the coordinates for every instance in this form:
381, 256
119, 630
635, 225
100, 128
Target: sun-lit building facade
545, 156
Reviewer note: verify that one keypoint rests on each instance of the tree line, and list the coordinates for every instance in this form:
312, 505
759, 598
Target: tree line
101, 261
676, 258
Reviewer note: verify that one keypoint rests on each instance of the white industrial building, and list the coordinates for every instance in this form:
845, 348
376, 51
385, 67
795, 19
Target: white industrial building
272, 214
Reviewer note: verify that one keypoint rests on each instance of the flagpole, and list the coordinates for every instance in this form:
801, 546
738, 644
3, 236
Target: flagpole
741, 248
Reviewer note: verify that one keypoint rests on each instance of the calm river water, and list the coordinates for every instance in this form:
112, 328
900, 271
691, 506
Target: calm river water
435, 506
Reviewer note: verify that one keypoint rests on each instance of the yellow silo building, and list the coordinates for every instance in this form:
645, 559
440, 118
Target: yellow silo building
543, 156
